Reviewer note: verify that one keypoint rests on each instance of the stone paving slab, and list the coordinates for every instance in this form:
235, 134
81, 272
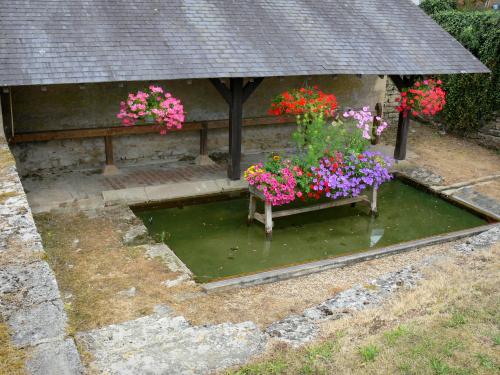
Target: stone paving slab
26, 285
181, 190
128, 196
167, 256
471, 197
38, 323
54, 358
170, 345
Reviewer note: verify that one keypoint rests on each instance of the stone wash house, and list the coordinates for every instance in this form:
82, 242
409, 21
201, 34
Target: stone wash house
66, 65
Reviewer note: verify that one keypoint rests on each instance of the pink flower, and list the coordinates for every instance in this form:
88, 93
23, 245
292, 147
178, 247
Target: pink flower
168, 112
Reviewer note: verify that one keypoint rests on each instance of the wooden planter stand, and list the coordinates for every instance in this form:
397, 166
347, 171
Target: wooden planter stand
269, 215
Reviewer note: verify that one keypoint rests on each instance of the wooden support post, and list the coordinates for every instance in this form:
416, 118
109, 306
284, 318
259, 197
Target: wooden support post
110, 167
376, 123
235, 125
108, 148
269, 220
235, 96
203, 158
251, 209
402, 136
403, 121
6, 104
204, 139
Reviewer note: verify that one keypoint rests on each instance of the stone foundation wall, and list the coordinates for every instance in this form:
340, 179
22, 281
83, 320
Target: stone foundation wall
30, 302
390, 113
143, 149
489, 135
59, 107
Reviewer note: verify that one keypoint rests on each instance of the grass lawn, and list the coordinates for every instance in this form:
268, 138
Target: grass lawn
450, 324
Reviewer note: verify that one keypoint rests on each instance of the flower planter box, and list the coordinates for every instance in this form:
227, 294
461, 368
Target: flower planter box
267, 217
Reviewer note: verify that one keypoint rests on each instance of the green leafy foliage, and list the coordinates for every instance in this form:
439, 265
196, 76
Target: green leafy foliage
471, 99
316, 137
434, 6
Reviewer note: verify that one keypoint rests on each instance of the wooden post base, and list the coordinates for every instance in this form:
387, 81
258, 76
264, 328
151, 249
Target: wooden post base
110, 170
204, 160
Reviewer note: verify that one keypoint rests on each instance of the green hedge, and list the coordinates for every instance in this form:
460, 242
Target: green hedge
434, 6
471, 98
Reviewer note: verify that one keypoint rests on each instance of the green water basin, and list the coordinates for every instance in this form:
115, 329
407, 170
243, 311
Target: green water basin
214, 241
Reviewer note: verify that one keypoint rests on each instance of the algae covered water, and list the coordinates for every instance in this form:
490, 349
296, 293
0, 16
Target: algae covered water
214, 241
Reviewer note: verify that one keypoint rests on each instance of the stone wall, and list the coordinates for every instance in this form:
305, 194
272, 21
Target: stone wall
30, 302
489, 135
59, 107
390, 113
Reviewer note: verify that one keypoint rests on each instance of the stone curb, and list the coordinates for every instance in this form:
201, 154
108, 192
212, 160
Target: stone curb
30, 302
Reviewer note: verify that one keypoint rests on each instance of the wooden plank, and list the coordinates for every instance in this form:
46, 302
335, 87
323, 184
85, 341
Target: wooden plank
321, 206
139, 129
235, 128
260, 217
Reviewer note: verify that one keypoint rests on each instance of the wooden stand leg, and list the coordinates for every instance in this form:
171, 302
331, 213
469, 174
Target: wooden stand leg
373, 202
251, 209
269, 220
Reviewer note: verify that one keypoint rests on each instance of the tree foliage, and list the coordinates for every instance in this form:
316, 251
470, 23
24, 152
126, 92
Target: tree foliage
434, 6
471, 98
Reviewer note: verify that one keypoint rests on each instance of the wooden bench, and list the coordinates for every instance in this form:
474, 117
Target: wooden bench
113, 131
267, 217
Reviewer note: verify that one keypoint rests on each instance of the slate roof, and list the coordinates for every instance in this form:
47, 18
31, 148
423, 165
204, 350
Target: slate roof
77, 41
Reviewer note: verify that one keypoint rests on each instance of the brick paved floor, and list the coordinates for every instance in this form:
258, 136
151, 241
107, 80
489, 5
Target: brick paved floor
63, 187
151, 176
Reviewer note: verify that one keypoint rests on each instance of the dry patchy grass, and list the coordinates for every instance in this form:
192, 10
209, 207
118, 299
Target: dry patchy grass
92, 266
450, 324
443, 153
11, 359
95, 269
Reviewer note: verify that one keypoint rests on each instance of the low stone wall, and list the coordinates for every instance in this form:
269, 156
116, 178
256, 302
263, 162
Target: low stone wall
391, 93
489, 135
30, 302
143, 149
